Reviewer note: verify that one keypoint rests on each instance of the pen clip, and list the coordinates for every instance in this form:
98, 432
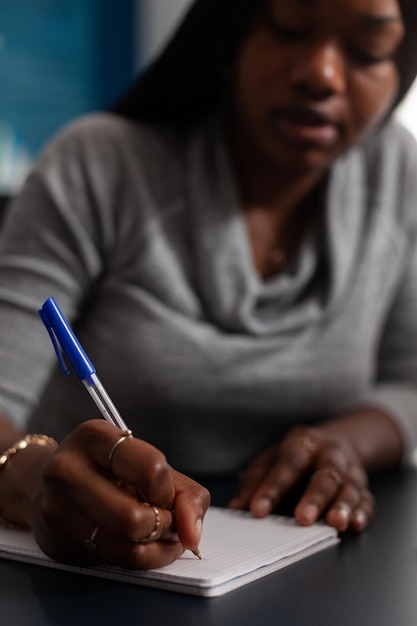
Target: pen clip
55, 342
64, 341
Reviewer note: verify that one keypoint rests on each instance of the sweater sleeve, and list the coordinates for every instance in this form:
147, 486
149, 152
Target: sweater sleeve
395, 389
50, 245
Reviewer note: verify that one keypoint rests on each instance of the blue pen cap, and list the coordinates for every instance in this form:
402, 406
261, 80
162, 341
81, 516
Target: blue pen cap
64, 340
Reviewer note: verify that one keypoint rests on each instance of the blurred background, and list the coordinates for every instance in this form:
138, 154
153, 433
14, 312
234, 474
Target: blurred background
63, 58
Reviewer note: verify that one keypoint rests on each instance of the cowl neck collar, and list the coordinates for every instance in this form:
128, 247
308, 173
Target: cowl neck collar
235, 297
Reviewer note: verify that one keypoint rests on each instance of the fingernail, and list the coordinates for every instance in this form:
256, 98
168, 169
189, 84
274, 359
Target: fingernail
262, 506
341, 516
199, 525
310, 513
359, 519
343, 511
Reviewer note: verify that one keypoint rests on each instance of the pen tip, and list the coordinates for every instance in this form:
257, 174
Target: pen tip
197, 553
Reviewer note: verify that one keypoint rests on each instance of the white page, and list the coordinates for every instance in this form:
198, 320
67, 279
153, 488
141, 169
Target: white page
236, 549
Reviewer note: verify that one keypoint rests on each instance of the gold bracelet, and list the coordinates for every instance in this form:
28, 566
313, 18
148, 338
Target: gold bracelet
39, 440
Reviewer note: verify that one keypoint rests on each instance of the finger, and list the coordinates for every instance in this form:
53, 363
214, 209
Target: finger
340, 512
343, 515
353, 504
110, 550
144, 556
144, 467
249, 481
190, 506
134, 462
294, 458
62, 530
322, 490
160, 546
265, 480
363, 514
113, 507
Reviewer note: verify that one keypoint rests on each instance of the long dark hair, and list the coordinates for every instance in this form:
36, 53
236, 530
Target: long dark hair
187, 79
407, 57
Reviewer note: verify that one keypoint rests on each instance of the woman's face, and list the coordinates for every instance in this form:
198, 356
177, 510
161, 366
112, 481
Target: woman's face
314, 77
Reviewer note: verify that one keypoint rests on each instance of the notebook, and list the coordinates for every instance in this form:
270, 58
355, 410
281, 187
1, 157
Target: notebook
236, 549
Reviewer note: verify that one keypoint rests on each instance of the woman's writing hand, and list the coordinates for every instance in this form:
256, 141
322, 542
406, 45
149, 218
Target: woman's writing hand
90, 510
337, 484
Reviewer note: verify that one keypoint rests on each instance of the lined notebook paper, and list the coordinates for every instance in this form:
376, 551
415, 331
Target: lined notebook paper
236, 550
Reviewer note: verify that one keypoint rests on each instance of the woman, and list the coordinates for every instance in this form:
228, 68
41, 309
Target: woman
235, 246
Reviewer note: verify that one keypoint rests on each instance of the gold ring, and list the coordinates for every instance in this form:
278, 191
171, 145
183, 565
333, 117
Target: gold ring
157, 524
307, 444
127, 434
332, 473
89, 544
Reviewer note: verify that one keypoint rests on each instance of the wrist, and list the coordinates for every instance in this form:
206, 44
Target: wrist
21, 466
22, 444
371, 434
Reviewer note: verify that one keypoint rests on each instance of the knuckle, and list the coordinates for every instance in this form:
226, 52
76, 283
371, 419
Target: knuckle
90, 430
47, 511
357, 474
205, 498
158, 471
142, 556
58, 468
322, 493
296, 460
132, 518
88, 427
137, 558
351, 495
369, 500
201, 499
251, 474
299, 431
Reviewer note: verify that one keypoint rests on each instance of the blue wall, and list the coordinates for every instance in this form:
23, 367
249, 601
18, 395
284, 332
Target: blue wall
61, 58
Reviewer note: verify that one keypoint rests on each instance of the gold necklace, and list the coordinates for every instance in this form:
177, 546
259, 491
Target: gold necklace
276, 259
276, 256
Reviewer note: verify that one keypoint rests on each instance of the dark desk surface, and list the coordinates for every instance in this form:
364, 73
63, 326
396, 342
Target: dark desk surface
367, 580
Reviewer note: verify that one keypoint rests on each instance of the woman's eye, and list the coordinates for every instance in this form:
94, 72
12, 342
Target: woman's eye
284, 32
366, 58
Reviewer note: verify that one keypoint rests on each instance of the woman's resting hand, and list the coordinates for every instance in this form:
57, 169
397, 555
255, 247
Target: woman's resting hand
336, 487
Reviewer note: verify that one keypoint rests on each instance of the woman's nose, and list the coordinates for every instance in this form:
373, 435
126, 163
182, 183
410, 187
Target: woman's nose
320, 70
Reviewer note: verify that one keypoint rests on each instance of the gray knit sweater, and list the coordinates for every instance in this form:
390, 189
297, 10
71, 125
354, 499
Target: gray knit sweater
138, 234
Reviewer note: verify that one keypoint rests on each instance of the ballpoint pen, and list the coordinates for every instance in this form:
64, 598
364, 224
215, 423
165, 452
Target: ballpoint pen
65, 342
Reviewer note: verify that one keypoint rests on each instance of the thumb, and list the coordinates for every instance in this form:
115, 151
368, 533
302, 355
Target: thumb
190, 506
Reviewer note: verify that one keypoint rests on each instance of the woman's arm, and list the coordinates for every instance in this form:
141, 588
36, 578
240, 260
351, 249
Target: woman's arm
20, 473
65, 492
372, 434
8, 433
336, 456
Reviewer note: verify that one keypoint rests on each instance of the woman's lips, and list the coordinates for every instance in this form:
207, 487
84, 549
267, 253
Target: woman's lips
307, 126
